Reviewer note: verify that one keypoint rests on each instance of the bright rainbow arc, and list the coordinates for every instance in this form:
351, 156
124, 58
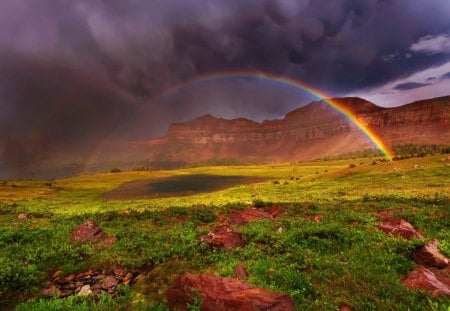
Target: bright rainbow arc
369, 133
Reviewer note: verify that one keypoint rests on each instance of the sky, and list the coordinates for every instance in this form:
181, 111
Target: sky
74, 73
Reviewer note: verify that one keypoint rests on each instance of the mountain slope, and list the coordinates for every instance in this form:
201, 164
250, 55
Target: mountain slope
312, 131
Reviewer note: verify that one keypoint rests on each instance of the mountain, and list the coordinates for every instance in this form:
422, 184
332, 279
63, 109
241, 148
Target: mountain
312, 131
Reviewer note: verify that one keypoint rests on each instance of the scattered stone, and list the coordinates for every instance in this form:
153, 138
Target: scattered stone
119, 271
240, 272
220, 294
90, 282
128, 278
275, 211
223, 236
57, 274
87, 232
109, 282
50, 292
429, 256
23, 216
315, 218
399, 227
431, 280
221, 219
243, 217
85, 291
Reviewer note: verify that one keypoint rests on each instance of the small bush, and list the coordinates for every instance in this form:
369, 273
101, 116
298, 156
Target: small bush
258, 203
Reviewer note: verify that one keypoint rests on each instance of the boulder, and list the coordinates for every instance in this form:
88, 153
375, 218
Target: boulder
429, 279
429, 256
220, 294
87, 232
223, 236
400, 228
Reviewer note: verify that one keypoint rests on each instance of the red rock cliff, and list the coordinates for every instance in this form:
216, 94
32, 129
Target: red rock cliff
312, 131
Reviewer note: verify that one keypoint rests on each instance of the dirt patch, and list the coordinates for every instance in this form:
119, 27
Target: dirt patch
177, 186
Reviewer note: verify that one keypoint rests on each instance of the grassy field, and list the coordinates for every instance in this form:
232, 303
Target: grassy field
343, 259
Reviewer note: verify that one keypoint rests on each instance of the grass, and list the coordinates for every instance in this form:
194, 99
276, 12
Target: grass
341, 260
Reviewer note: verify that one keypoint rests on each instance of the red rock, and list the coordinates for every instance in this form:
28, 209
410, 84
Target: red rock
345, 307
223, 236
127, 278
275, 211
318, 127
109, 282
242, 217
222, 219
23, 216
399, 227
429, 256
88, 231
57, 274
240, 272
119, 271
220, 294
70, 277
428, 279
315, 218
50, 292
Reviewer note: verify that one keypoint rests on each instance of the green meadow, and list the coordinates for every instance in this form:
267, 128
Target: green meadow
342, 260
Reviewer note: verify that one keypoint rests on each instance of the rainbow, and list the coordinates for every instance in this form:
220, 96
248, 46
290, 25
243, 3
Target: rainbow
368, 132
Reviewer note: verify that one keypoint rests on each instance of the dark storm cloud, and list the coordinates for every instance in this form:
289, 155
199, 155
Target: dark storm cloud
72, 70
409, 86
446, 76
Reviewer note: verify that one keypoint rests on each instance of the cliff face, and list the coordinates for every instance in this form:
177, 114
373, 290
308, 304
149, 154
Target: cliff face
312, 131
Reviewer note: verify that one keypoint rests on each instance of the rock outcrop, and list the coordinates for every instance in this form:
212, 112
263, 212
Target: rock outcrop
431, 280
90, 282
308, 132
220, 294
429, 255
89, 231
400, 228
244, 216
223, 236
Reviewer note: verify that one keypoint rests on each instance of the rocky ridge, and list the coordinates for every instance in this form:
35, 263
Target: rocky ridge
312, 131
